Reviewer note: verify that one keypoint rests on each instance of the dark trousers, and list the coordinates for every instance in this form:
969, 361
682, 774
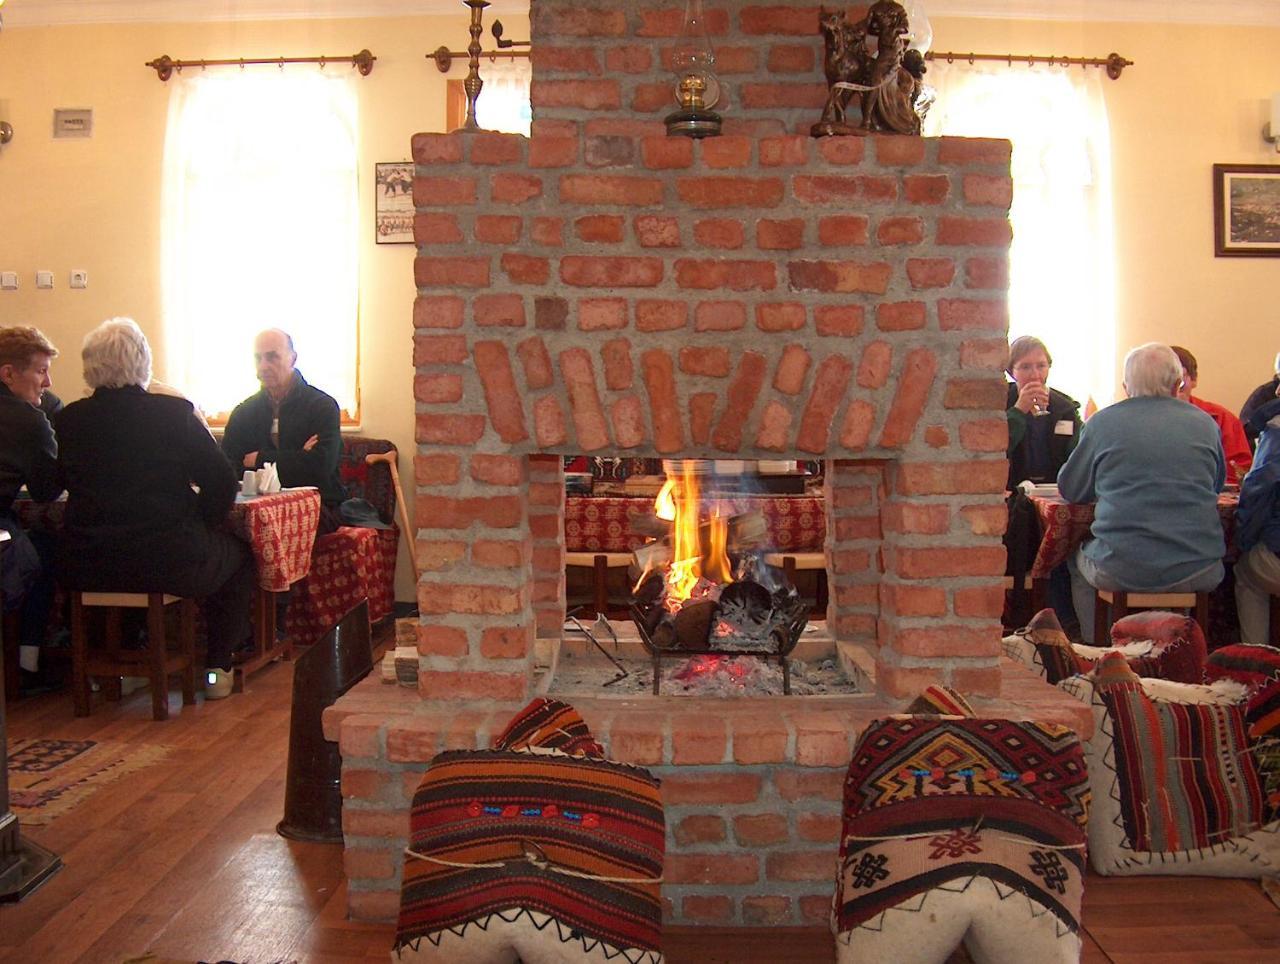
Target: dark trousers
39, 602
224, 583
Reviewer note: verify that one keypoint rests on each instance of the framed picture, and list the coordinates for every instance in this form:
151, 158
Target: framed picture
393, 202
1246, 210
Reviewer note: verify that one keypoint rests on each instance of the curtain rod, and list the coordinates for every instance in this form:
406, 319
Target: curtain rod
443, 56
164, 65
1113, 62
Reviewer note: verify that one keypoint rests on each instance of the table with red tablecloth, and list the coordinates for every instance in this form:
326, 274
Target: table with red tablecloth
604, 524
1064, 525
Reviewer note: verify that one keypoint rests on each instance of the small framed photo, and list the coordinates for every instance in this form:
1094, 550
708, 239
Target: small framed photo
393, 202
1246, 210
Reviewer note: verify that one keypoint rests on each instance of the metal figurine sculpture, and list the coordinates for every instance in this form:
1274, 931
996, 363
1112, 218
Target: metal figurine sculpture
886, 75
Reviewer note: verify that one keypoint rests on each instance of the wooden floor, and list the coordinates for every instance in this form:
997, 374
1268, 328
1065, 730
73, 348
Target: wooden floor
181, 860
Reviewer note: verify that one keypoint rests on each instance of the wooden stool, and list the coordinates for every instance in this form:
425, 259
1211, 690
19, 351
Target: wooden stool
600, 563
1120, 602
155, 662
792, 562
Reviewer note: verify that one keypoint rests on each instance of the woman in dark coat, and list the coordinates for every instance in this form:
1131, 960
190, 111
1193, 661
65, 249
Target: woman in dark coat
1044, 423
148, 492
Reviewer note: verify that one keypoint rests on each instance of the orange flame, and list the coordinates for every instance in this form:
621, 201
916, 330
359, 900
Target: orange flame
691, 561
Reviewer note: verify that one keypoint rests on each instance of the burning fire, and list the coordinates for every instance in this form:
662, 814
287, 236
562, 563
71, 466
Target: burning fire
692, 561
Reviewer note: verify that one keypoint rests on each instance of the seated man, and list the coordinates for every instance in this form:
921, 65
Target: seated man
1235, 446
132, 463
1154, 466
289, 423
28, 454
1257, 398
1257, 533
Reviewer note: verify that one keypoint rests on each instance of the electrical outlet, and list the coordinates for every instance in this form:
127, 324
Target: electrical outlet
9, 280
44, 279
79, 278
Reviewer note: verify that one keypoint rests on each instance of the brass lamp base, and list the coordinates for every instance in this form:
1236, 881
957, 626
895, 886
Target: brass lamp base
693, 122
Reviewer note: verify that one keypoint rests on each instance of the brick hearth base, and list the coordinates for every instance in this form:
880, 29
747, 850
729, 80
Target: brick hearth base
751, 787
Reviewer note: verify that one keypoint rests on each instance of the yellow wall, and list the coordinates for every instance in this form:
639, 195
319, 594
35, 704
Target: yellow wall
95, 204
1197, 96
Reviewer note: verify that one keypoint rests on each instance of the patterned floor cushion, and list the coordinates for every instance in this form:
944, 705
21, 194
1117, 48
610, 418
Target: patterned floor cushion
1253, 664
1178, 652
537, 850
966, 830
1044, 647
1176, 789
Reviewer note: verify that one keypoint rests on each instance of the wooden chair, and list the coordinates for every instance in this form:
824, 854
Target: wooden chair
792, 562
601, 564
155, 662
1112, 605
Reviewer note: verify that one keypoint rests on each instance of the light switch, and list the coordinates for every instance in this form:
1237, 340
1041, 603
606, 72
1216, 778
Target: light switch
79, 278
44, 279
9, 280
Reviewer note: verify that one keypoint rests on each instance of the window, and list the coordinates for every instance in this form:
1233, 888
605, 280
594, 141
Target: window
504, 99
260, 229
1061, 272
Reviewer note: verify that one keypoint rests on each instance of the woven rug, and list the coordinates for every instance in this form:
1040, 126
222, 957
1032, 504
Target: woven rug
47, 778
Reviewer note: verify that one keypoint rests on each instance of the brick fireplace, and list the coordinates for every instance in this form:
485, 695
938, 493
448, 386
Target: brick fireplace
601, 288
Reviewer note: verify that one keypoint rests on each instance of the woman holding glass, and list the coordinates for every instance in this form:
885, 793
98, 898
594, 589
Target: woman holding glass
1043, 422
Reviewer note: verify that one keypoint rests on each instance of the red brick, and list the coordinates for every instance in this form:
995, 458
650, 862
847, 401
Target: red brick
792, 368
666, 153
947, 641
661, 315
829, 386
566, 60
498, 229
579, 379
594, 94
931, 189
719, 233
536, 363
858, 422
435, 228
985, 602
361, 737
780, 317
706, 909
975, 393
982, 681
840, 276
726, 152
637, 738
793, 94
892, 231
629, 60
791, 59
523, 269
479, 600
987, 273
668, 21
976, 232
545, 151
493, 148
649, 98
917, 518
611, 150
437, 191
605, 228
705, 360
413, 740
514, 188
785, 20
760, 830
789, 151
775, 427
740, 399
986, 520
697, 738
843, 188
726, 868
780, 235
449, 429
849, 561
505, 311
719, 316
974, 150
451, 272
841, 150
436, 469
438, 311
839, 320
843, 230
702, 408
758, 911
610, 272
627, 417
894, 151
602, 314
957, 315
875, 365
441, 512
505, 470
735, 275
502, 398
444, 685
688, 787
937, 437
900, 316
801, 865
986, 435
733, 60
575, 21
431, 149
660, 384
610, 189
914, 384
951, 478
905, 600
617, 364
822, 740
987, 189
495, 554
921, 563
435, 389
653, 231
439, 349
730, 192
810, 784
505, 642
548, 231
930, 272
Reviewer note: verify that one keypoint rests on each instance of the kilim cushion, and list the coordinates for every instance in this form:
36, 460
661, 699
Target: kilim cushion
962, 829
551, 724
1250, 663
1179, 650
1175, 785
532, 853
1262, 716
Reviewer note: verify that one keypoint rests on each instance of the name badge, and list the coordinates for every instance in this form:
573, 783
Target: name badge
1065, 427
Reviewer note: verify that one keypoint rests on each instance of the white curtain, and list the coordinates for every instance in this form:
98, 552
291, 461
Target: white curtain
260, 229
1062, 277
504, 98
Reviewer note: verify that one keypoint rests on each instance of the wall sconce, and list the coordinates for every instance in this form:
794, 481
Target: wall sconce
697, 88
1271, 133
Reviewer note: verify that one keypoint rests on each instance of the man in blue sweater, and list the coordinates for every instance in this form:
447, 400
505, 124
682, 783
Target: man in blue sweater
1154, 466
1258, 528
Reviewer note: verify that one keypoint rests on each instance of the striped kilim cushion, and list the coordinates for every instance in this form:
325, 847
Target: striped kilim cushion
1186, 775
552, 724
578, 839
1179, 653
1248, 663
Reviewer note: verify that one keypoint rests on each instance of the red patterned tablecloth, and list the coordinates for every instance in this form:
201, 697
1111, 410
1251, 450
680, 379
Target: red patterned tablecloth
1066, 524
280, 529
603, 524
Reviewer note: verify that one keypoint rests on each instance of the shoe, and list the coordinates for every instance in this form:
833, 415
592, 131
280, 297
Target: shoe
217, 684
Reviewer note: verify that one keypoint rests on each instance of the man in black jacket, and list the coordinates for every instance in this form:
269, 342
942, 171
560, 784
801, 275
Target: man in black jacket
290, 423
28, 454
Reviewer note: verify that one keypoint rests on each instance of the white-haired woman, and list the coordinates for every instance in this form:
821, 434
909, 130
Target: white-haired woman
1154, 466
128, 460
